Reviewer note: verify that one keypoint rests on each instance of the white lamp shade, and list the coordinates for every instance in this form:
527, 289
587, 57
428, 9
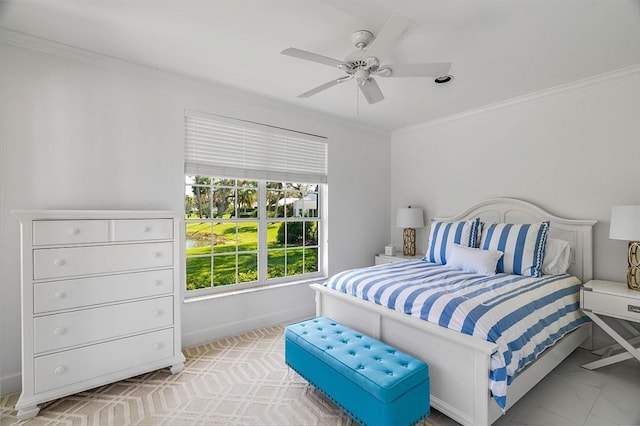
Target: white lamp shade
625, 223
410, 218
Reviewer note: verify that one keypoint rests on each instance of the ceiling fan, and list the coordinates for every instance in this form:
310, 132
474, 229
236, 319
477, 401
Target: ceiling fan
363, 64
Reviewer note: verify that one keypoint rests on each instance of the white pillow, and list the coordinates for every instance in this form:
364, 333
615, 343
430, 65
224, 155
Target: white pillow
474, 260
557, 257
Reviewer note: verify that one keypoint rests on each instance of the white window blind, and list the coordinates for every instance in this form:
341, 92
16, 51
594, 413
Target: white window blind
222, 146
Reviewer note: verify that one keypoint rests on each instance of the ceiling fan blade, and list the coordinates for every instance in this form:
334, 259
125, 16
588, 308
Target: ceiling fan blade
396, 28
419, 70
310, 56
320, 88
371, 91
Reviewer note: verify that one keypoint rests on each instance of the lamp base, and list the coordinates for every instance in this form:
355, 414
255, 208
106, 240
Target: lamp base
409, 242
633, 262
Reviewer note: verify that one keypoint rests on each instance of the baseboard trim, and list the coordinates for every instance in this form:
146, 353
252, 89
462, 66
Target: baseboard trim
237, 327
10, 384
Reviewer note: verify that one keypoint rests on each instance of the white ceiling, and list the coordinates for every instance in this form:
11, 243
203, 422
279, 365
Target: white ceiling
500, 49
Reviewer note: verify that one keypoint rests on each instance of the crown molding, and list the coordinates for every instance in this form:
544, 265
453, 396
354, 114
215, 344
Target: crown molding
578, 84
43, 45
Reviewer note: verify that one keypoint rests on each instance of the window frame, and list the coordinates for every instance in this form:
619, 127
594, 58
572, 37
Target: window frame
262, 249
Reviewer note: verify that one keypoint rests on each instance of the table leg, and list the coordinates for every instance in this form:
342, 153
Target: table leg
631, 350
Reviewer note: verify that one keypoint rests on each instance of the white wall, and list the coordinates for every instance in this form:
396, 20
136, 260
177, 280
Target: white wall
79, 131
574, 151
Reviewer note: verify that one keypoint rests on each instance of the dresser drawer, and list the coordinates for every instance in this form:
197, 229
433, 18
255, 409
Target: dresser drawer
76, 293
58, 331
91, 362
69, 262
142, 229
70, 231
611, 305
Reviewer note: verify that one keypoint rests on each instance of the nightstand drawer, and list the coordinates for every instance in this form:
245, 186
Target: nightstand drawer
59, 331
70, 231
381, 259
611, 305
80, 292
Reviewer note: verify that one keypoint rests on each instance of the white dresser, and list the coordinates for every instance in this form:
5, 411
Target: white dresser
101, 296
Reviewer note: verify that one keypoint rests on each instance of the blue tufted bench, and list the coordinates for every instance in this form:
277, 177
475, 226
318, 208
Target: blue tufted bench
373, 382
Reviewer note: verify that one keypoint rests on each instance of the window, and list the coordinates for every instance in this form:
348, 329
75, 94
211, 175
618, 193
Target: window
260, 226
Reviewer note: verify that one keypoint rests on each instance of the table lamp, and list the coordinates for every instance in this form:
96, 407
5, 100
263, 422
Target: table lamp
625, 225
409, 219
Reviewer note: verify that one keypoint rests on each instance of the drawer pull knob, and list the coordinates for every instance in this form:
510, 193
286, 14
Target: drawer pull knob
146, 228
59, 295
74, 231
157, 282
155, 254
59, 331
59, 262
156, 346
156, 313
59, 370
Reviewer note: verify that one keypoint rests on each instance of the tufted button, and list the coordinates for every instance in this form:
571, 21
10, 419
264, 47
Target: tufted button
360, 367
304, 333
352, 353
391, 351
367, 346
345, 340
329, 347
358, 336
389, 373
378, 359
323, 337
404, 364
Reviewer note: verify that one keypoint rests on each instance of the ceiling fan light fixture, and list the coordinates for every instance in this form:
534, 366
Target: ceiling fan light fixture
443, 79
362, 76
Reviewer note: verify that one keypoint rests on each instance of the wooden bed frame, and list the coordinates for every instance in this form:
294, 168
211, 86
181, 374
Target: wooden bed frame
459, 363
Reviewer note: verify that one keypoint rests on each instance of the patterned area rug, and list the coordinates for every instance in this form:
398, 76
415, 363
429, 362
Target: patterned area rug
241, 380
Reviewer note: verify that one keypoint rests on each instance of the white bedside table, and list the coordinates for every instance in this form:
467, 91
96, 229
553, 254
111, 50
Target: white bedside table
385, 258
607, 298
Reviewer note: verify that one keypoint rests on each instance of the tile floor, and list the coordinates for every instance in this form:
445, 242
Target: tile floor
572, 395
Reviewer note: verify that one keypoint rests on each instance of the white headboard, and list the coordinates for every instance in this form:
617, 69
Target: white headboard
510, 210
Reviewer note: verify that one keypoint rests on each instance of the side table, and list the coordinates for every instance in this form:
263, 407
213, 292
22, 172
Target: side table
612, 299
385, 258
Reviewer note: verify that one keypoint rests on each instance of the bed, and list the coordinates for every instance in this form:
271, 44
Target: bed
459, 363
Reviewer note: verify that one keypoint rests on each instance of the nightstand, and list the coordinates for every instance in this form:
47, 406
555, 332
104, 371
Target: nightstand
385, 258
607, 298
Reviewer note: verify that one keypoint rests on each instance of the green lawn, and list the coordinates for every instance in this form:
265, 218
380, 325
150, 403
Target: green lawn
281, 262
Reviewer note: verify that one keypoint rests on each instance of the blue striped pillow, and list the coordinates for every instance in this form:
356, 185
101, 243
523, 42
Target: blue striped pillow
443, 234
523, 246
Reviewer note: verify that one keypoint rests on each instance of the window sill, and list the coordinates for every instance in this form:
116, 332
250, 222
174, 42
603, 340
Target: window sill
195, 299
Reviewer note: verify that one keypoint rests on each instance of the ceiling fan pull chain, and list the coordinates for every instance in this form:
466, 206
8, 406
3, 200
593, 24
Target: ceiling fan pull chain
357, 103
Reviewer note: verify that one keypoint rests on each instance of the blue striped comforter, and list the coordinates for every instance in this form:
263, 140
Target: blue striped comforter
522, 315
